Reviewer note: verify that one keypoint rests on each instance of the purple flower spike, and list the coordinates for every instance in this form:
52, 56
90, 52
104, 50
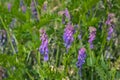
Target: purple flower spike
80, 36
45, 57
110, 22
9, 7
67, 14
45, 6
3, 37
92, 36
44, 44
23, 8
110, 19
68, 35
81, 59
34, 10
110, 31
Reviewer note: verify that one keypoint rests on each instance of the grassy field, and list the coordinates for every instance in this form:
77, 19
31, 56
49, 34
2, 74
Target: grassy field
59, 39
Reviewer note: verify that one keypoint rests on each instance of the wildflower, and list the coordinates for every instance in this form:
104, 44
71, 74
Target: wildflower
23, 8
110, 31
111, 19
44, 45
110, 22
68, 35
34, 10
67, 14
80, 36
13, 23
3, 37
81, 58
92, 36
9, 6
45, 6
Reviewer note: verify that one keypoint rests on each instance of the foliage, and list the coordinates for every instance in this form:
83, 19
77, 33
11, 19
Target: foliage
22, 60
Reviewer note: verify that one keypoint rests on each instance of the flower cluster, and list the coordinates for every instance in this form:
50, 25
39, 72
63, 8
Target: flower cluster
45, 6
34, 10
13, 23
110, 19
110, 22
66, 14
22, 6
92, 36
9, 6
110, 31
3, 37
44, 44
81, 58
68, 35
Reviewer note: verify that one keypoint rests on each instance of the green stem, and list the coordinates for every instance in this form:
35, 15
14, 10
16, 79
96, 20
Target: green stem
92, 74
7, 31
29, 75
38, 58
57, 58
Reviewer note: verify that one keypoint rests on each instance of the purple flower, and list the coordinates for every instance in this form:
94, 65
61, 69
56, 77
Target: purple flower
9, 7
34, 10
80, 36
44, 44
110, 31
81, 59
110, 23
67, 14
12, 23
68, 35
23, 8
45, 6
3, 37
110, 19
92, 36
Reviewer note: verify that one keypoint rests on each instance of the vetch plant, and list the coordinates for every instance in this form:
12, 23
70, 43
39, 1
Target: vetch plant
34, 10
22, 6
110, 22
9, 6
67, 14
92, 53
44, 45
81, 59
3, 37
45, 6
68, 35
92, 36
110, 31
